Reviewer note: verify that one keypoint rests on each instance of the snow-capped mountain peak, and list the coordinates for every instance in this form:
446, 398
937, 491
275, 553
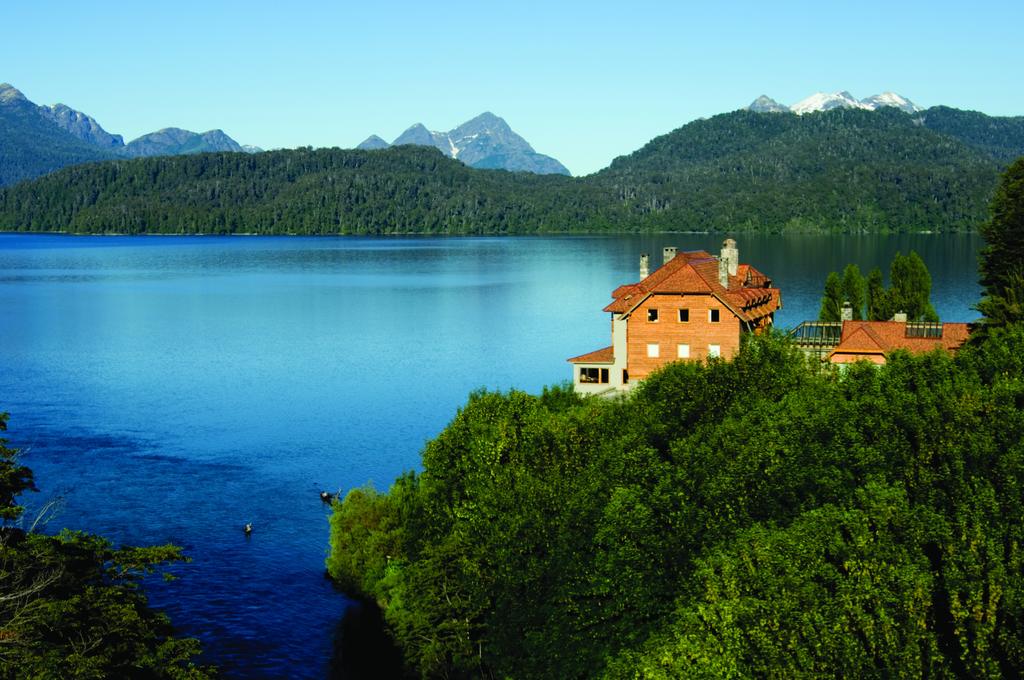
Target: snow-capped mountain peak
877, 101
823, 101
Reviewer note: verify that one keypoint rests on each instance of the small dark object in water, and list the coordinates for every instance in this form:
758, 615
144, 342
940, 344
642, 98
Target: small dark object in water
248, 529
327, 496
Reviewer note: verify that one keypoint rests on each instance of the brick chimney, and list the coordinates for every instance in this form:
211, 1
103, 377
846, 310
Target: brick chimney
667, 253
899, 317
847, 313
728, 262
645, 261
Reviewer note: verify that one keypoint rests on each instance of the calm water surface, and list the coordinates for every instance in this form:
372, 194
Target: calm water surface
173, 389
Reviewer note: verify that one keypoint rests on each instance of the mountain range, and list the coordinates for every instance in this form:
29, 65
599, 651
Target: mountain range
824, 101
35, 140
844, 170
880, 164
485, 142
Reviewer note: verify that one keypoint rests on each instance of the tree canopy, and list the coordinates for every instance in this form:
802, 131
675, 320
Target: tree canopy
909, 292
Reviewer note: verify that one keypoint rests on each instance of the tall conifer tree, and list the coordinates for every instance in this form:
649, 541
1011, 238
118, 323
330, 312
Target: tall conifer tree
1002, 259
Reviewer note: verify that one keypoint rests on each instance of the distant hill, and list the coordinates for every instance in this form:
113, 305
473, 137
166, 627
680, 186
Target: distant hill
486, 142
840, 170
173, 141
405, 189
35, 140
373, 142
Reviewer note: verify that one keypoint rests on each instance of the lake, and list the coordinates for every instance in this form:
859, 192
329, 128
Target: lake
172, 389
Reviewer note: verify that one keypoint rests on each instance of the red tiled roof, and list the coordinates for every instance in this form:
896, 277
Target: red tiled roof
880, 337
600, 356
696, 272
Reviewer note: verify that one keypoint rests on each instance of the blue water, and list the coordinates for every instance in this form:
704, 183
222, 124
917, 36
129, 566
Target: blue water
172, 389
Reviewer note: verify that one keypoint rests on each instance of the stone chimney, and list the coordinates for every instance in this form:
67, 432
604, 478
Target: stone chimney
728, 262
899, 317
645, 261
847, 313
667, 253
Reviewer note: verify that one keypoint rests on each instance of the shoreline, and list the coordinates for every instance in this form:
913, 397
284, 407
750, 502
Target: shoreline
586, 234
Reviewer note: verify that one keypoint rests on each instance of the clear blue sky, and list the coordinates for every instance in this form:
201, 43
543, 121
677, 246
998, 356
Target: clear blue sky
582, 81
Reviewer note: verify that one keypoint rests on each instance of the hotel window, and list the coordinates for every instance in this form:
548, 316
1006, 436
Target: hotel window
593, 375
684, 315
652, 314
684, 351
713, 315
714, 350
653, 350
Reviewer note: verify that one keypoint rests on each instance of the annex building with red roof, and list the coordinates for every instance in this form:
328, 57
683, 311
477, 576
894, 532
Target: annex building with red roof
871, 340
695, 306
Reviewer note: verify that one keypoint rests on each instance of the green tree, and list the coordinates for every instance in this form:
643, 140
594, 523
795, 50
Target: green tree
14, 478
911, 288
853, 290
878, 304
832, 300
1002, 259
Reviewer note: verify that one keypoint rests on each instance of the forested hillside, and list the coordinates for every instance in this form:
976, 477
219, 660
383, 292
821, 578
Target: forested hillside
408, 189
836, 171
841, 170
1000, 137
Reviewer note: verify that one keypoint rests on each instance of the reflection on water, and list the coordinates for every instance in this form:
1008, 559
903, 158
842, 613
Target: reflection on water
177, 388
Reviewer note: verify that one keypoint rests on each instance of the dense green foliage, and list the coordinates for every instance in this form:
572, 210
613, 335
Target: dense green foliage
876, 304
401, 190
70, 604
836, 171
1002, 260
752, 518
910, 288
909, 292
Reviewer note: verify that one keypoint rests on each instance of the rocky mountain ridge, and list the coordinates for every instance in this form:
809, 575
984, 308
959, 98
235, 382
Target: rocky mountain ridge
485, 141
39, 139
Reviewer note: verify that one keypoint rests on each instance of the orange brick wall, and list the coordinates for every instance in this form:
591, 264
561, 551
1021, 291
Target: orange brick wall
698, 332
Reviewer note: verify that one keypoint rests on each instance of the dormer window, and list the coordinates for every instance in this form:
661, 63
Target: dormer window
652, 315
